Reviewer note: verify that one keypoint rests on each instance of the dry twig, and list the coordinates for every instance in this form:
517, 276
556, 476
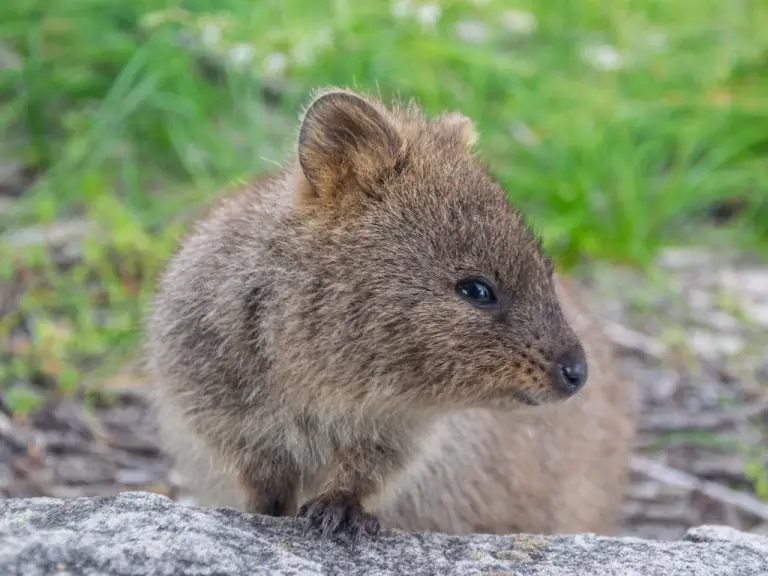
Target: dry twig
666, 475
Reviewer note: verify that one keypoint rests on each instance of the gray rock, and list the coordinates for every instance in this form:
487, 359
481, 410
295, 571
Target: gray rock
138, 533
55, 235
713, 346
761, 373
676, 258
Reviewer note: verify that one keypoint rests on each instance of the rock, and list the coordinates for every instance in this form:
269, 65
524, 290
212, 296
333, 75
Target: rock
14, 177
722, 321
751, 281
761, 372
714, 346
661, 383
749, 288
676, 258
761, 529
63, 238
7, 206
138, 533
134, 477
758, 312
55, 235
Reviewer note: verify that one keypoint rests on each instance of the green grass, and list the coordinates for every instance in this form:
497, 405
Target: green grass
130, 130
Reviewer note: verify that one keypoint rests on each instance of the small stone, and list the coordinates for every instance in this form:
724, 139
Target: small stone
187, 501
701, 300
134, 477
7, 206
723, 322
13, 179
655, 512
83, 470
753, 282
683, 258
713, 346
761, 373
644, 490
55, 235
6, 477
757, 312
665, 384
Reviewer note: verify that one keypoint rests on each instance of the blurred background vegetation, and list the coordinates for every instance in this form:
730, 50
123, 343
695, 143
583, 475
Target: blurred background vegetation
619, 126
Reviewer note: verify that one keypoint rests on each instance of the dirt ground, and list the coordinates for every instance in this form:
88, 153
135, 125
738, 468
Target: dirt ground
694, 340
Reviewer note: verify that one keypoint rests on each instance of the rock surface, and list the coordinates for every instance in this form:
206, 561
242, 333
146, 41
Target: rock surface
139, 533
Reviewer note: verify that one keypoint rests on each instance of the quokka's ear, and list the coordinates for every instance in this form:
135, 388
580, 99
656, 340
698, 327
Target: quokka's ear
463, 128
345, 142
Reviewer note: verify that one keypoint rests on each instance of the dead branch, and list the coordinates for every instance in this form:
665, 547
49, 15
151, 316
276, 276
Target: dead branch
663, 473
677, 421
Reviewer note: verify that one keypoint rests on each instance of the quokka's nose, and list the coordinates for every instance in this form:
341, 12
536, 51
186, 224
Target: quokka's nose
571, 371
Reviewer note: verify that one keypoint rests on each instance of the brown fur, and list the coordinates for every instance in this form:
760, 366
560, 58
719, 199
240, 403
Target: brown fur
309, 346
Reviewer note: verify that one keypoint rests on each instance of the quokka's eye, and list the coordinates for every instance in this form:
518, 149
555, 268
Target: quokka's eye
477, 291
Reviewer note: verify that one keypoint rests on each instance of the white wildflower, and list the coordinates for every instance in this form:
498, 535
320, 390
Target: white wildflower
324, 37
401, 9
603, 57
428, 15
275, 63
657, 42
472, 31
211, 35
160, 17
154, 19
241, 54
519, 22
524, 134
303, 53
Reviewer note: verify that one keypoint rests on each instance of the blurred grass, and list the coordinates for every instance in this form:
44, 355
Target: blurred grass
615, 124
